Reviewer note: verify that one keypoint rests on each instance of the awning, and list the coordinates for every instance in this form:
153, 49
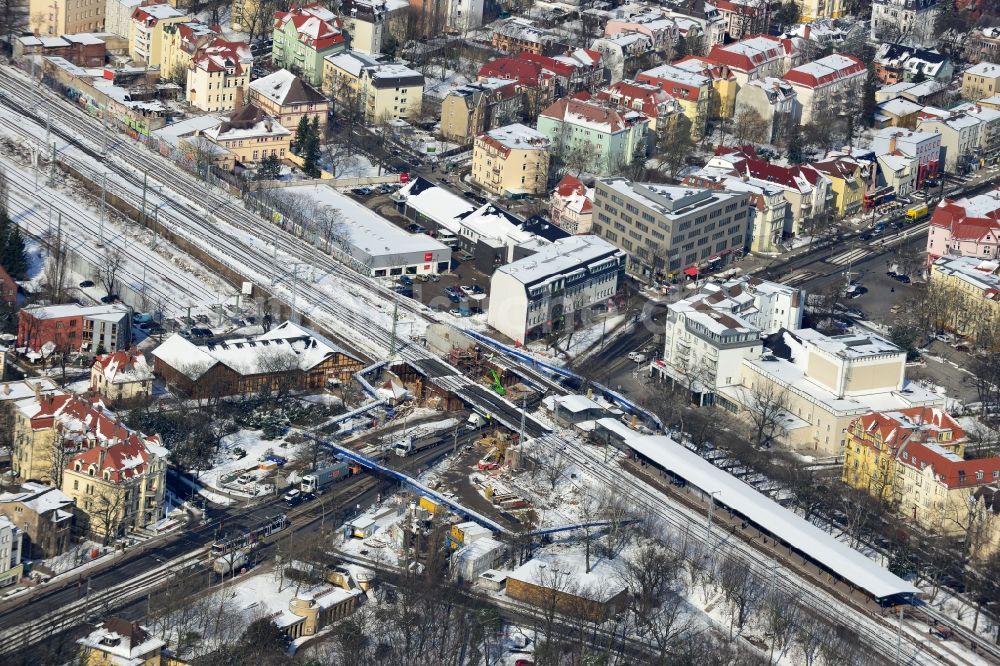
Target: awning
726, 252
691, 271
712, 260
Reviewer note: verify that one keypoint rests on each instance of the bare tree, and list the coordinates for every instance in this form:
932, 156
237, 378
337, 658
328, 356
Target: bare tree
767, 406
554, 467
108, 272
744, 592
749, 127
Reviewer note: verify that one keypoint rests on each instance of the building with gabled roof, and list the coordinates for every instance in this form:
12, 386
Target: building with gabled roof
724, 84
45, 513
608, 137
897, 62
846, 183
981, 80
119, 642
660, 107
250, 135
288, 357
772, 99
516, 34
571, 205
470, 109
303, 37
288, 98
546, 78
180, 42
827, 83
757, 56
912, 19
621, 51
960, 136
146, 32
218, 76
967, 227
692, 90
122, 376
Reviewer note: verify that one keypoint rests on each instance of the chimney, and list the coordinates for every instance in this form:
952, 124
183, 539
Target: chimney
806, 31
892, 144
38, 390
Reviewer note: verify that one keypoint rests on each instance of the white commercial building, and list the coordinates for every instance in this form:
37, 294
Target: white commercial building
543, 292
709, 334
376, 246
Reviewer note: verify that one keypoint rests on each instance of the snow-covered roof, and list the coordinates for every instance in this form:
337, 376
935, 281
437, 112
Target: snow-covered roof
565, 569
850, 346
900, 107
801, 534
174, 132
975, 271
352, 62
519, 137
284, 88
563, 256
41, 312
125, 643
436, 203
39, 498
984, 69
26, 388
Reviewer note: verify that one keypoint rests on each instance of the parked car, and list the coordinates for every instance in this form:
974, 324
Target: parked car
857, 291
416, 229
276, 459
110, 298
406, 280
86, 284
865, 236
469, 194
898, 224
905, 279
636, 356
434, 277
201, 332
454, 290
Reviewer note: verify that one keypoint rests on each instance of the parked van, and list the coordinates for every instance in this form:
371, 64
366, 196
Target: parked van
636, 357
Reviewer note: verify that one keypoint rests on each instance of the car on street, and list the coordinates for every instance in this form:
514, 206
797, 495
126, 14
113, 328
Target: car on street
406, 280
404, 291
905, 279
454, 290
865, 236
198, 332
293, 497
857, 292
454, 298
86, 284
469, 194
362, 191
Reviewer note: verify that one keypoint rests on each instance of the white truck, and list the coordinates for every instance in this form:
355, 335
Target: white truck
316, 481
231, 562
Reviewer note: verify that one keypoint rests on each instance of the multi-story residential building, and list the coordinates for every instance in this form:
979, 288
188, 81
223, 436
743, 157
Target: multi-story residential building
968, 289
757, 57
65, 17
621, 52
11, 568
661, 30
602, 138
512, 160
118, 16
959, 137
546, 291
666, 228
699, 18
895, 20
218, 77
981, 80
722, 103
708, 334
827, 83
810, 10
288, 98
118, 484
46, 516
693, 91
659, 107
146, 32
896, 63
925, 147
927, 93
376, 92
913, 460
846, 183
250, 135
983, 44
365, 22
807, 190
180, 42
90, 329
516, 34
544, 79
464, 15
769, 203
571, 206
968, 227
743, 17
815, 385
122, 377
897, 112
303, 37
898, 172
478, 107
989, 132
773, 100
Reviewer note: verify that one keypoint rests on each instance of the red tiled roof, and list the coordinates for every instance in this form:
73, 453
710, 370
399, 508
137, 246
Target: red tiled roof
124, 459
311, 29
806, 75
626, 92
515, 69
565, 108
218, 54
950, 214
736, 57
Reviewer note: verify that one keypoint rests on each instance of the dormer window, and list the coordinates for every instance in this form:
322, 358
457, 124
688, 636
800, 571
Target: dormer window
107, 475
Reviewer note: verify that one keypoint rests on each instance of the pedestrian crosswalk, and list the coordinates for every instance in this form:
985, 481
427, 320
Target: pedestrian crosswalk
798, 278
849, 257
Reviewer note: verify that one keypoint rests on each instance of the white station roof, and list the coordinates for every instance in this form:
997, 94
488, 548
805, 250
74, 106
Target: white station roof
822, 547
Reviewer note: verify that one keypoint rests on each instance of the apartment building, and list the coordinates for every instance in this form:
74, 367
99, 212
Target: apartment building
722, 103
969, 293
621, 52
250, 135
65, 17
94, 329
810, 10
899, 19
772, 99
365, 22
517, 34
45, 515
122, 377
710, 333
512, 161
180, 42
815, 385
303, 37
827, 83
743, 17
661, 30
600, 136
666, 228
914, 460
960, 140
379, 91
478, 107
757, 57
981, 80
288, 98
896, 63
548, 290
693, 91
660, 108
846, 183
925, 147
146, 32
218, 77
118, 16
11, 568
983, 44
967, 227
988, 151
571, 205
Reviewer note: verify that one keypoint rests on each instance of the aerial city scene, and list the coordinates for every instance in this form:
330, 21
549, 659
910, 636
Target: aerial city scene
499, 332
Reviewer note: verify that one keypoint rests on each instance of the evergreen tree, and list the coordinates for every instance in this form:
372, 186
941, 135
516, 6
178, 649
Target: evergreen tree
269, 168
795, 143
301, 134
310, 151
14, 259
681, 48
868, 102
849, 130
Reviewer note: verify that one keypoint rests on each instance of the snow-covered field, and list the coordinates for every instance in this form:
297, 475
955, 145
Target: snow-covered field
228, 465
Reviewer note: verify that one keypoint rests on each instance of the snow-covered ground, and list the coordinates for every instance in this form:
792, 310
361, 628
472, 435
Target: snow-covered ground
438, 83
228, 465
